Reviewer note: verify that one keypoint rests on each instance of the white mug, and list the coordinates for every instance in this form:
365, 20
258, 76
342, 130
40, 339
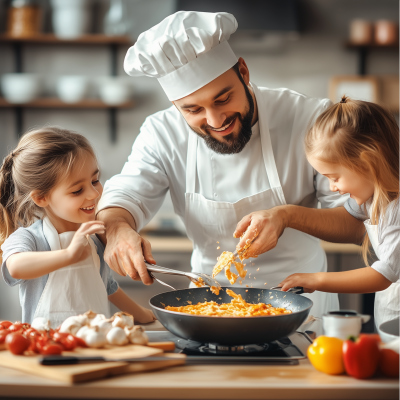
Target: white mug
343, 324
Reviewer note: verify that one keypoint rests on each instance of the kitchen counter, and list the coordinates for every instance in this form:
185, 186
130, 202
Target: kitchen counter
171, 244
205, 382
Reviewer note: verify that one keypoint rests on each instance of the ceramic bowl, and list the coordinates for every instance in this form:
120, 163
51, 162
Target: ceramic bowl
389, 330
72, 89
20, 88
114, 91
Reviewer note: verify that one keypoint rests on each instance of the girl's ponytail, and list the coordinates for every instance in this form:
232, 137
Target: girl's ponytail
7, 191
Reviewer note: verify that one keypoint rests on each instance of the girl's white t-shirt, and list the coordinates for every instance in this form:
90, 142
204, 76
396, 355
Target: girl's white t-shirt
388, 250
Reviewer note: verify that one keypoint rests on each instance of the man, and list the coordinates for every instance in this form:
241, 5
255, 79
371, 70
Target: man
231, 155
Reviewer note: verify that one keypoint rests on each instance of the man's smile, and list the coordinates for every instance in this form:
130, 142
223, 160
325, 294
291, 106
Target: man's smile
225, 130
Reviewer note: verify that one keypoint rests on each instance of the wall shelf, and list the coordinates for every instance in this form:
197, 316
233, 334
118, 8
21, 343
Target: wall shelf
363, 50
52, 39
47, 39
53, 102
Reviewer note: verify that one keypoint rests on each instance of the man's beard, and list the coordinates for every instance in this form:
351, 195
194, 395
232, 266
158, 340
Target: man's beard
232, 144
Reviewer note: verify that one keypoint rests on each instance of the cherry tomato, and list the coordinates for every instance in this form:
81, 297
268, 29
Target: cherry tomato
58, 336
17, 343
32, 334
5, 324
69, 343
51, 349
80, 342
3, 335
15, 327
389, 363
41, 342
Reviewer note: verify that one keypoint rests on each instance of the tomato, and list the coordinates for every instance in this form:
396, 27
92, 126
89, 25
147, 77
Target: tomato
69, 343
17, 343
51, 349
3, 335
389, 363
41, 342
58, 336
32, 333
15, 327
80, 342
5, 324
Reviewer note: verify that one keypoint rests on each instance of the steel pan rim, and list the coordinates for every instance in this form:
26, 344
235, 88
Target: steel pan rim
229, 317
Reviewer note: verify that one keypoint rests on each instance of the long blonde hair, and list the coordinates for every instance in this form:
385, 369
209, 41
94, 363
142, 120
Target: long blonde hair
364, 137
42, 158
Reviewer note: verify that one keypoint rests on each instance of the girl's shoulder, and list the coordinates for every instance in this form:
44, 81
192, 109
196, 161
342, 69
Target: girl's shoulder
31, 237
392, 213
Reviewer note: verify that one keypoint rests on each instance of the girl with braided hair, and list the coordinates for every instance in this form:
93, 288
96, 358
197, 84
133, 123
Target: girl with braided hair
49, 190
356, 145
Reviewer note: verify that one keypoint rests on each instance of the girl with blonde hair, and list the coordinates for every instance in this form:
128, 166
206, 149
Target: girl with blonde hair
356, 145
49, 189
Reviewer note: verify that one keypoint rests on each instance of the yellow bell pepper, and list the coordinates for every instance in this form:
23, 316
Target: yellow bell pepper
325, 354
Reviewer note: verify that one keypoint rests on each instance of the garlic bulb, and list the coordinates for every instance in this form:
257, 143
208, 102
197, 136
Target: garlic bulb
82, 332
117, 336
94, 338
96, 319
41, 324
137, 335
104, 325
73, 324
123, 319
90, 315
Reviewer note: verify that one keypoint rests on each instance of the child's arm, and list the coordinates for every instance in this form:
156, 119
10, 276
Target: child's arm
140, 314
363, 280
34, 264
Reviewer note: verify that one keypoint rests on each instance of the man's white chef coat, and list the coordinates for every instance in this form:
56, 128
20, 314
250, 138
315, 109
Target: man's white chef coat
159, 155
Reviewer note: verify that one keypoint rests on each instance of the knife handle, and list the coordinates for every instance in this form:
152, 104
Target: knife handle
68, 360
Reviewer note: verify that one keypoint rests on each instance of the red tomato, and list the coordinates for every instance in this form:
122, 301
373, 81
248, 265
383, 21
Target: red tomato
79, 342
17, 343
15, 327
5, 324
41, 342
3, 335
389, 363
51, 349
69, 343
58, 336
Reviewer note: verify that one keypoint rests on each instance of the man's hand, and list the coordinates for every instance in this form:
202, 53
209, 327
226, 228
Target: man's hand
266, 225
125, 250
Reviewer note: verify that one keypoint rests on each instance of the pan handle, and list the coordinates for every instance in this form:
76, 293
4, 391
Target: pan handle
295, 290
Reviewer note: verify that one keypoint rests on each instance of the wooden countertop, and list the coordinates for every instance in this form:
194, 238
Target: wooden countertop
184, 245
206, 382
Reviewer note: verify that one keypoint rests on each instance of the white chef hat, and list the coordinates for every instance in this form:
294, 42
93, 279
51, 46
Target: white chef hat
184, 52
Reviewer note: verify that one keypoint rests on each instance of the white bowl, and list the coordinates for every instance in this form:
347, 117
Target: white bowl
115, 92
71, 89
20, 88
389, 330
71, 23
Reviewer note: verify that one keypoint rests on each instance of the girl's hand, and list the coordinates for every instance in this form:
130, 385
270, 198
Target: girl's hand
309, 282
79, 249
145, 316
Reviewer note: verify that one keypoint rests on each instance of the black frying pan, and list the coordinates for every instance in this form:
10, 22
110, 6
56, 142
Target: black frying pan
231, 330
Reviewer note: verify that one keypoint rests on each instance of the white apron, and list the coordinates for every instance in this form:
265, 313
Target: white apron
208, 222
74, 289
387, 302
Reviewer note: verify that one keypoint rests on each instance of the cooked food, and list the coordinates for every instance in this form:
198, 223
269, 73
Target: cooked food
200, 283
226, 258
238, 307
232, 277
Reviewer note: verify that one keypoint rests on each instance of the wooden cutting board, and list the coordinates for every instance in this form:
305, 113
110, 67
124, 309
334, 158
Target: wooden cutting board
87, 372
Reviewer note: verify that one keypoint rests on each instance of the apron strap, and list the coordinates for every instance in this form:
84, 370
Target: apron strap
191, 162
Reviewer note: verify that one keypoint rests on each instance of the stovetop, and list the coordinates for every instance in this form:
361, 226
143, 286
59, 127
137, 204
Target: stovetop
284, 351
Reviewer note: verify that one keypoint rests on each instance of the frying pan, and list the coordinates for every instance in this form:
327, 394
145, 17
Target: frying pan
231, 330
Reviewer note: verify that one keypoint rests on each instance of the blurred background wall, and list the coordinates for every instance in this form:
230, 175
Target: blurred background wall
304, 58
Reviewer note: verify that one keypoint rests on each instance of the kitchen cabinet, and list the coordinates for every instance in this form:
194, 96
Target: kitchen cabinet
50, 103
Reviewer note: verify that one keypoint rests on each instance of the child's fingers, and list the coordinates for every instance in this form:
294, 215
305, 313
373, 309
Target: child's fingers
92, 229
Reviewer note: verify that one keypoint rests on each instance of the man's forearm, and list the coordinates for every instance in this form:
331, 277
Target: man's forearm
332, 225
113, 218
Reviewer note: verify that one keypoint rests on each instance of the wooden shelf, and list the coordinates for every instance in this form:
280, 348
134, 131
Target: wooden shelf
50, 102
351, 45
95, 39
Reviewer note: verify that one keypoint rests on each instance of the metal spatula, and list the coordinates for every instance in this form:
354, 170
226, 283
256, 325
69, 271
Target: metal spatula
193, 276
